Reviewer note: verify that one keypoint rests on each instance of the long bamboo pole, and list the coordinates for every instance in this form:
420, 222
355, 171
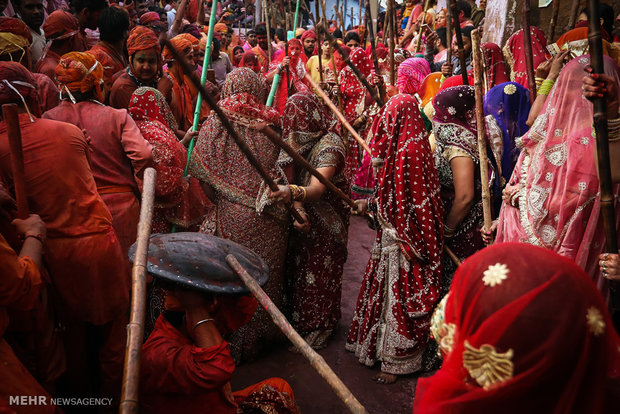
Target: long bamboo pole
338, 114
602, 152
268, 27
481, 126
319, 38
419, 42
355, 70
310, 354
459, 40
527, 48
296, 15
449, 34
243, 146
394, 37
572, 17
554, 20
359, 19
11, 118
373, 49
135, 328
203, 79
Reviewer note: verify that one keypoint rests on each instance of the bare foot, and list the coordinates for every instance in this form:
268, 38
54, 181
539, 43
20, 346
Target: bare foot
385, 378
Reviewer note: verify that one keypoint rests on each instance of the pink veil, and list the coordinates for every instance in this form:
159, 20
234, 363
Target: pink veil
559, 201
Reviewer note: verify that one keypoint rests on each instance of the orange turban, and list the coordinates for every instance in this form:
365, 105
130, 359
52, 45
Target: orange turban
195, 42
180, 43
149, 17
60, 25
221, 28
80, 72
142, 38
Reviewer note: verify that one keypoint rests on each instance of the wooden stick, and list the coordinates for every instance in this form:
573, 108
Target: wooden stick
481, 126
351, 16
319, 38
527, 48
554, 20
310, 354
135, 328
454, 257
572, 17
355, 70
301, 161
359, 20
11, 118
394, 37
419, 42
371, 37
459, 40
268, 27
449, 34
602, 151
243, 146
338, 114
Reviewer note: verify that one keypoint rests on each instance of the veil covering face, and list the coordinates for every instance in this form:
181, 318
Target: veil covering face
559, 203
523, 330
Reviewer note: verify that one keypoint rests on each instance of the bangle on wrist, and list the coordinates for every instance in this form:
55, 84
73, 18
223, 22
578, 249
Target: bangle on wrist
546, 87
200, 322
37, 236
448, 231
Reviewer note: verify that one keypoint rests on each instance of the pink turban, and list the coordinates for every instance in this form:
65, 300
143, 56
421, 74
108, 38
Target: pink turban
411, 73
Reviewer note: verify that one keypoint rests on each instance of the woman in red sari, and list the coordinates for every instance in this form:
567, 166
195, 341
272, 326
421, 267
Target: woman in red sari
402, 282
458, 164
524, 330
179, 200
318, 250
233, 185
514, 51
496, 71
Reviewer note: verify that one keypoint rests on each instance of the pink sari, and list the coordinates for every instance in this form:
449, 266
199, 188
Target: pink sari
559, 202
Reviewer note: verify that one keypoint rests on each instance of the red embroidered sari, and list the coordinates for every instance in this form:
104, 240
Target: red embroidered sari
402, 282
218, 161
515, 53
178, 200
316, 259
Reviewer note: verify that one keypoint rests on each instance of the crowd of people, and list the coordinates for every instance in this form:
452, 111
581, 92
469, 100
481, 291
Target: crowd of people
102, 96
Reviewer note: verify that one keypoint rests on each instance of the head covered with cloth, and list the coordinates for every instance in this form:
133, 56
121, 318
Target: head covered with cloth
15, 39
17, 85
512, 345
80, 72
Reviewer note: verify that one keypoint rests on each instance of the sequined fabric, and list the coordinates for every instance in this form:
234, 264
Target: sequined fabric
402, 281
218, 161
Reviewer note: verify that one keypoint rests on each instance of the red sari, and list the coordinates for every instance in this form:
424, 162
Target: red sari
514, 52
524, 331
355, 101
402, 282
316, 259
179, 200
218, 162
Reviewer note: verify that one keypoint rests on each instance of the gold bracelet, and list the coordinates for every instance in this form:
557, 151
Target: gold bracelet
294, 191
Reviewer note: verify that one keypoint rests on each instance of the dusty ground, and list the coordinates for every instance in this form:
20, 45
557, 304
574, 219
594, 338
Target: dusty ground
311, 391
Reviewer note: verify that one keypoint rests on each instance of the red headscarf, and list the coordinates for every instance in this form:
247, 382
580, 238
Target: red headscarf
456, 80
149, 17
17, 85
80, 72
308, 34
249, 60
515, 53
495, 65
524, 330
60, 25
142, 38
